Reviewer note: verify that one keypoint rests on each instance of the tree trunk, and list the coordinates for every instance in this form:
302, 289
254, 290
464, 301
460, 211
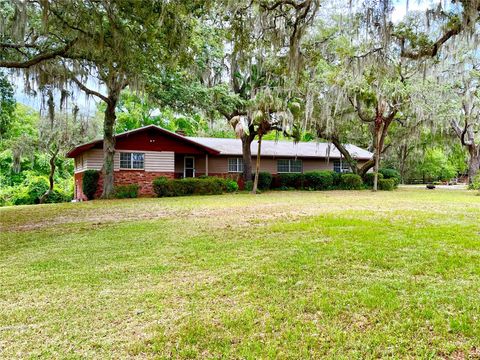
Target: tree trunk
247, 156
473, 162
257, 166
51, 175
377, 153
109, 147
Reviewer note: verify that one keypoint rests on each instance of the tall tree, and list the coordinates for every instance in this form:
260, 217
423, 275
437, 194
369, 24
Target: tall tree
109, 45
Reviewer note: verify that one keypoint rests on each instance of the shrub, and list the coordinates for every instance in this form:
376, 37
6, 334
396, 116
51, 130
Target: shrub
32, 188
90, 183
391, 174
286, 181
248, 185
58, 195
126, 191
351, 182
386, 184
164, 187
336, 177
231, 185
368, 178
264, 180
318, 180
475, 185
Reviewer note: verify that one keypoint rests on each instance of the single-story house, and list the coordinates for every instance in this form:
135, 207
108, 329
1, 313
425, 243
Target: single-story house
149, 152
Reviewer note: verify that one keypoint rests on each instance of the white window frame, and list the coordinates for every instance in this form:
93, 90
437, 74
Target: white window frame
290, 166
344, 167
185, 164
239, 166
131, 160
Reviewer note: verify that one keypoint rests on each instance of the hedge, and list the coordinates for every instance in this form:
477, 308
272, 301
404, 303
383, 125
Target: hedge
90, 183
264, 180
165, 187
291, 180
386, 184
368, 178
126, 191
391, 174
351, 182
318, 180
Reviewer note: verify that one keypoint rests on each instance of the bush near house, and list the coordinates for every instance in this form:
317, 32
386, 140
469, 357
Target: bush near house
126, 191
165, 187
386, 184
264, 180
351, 182
90, 183
391, 174
290, 181
368, 178
318, 180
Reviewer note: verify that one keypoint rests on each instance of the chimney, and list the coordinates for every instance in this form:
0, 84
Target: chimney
180, 132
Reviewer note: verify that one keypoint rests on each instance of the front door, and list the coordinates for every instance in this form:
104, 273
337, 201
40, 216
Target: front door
189, 167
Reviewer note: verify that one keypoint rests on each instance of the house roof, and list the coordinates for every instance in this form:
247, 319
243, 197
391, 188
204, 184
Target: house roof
220, 146
283, 148
87, 146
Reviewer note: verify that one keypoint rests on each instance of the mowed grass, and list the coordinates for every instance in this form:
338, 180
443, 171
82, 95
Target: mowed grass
279, 275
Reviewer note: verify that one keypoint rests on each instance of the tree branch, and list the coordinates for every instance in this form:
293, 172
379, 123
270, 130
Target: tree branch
38, 58
433, 49
89, 91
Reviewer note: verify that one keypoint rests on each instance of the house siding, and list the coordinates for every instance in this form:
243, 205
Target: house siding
155, 161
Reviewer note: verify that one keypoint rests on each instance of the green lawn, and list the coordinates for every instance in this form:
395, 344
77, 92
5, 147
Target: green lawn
278, 275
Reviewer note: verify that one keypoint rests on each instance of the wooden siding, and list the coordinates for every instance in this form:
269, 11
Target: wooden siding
155, 161
152, 140
168, 161
94, 159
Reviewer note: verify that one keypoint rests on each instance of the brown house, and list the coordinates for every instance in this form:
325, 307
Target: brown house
143, 154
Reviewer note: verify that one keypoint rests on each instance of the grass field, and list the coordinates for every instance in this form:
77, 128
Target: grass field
278, 275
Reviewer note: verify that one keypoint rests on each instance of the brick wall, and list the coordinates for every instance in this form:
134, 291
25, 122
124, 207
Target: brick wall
142, 178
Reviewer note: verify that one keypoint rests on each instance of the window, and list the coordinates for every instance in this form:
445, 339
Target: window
340, 166
289, 166
235, 165
132, 160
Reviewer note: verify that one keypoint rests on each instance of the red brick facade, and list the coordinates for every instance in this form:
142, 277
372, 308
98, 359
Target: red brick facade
143, 179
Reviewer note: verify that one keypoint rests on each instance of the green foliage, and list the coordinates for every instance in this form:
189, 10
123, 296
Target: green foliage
90, 183
30, 190
386, 184
248, 185
7, 105
290, 181
264, 180
351, 182
475, 185
391, 174
368, 178
436, 166
318, 180
126, 191
231, 185
165, 187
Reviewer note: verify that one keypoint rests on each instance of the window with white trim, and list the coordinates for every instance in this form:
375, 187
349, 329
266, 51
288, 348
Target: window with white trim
289, 166
341, 166
132, 160
235, 165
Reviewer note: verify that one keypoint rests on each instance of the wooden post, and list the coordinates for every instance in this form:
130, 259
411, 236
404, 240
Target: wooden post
206, 164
